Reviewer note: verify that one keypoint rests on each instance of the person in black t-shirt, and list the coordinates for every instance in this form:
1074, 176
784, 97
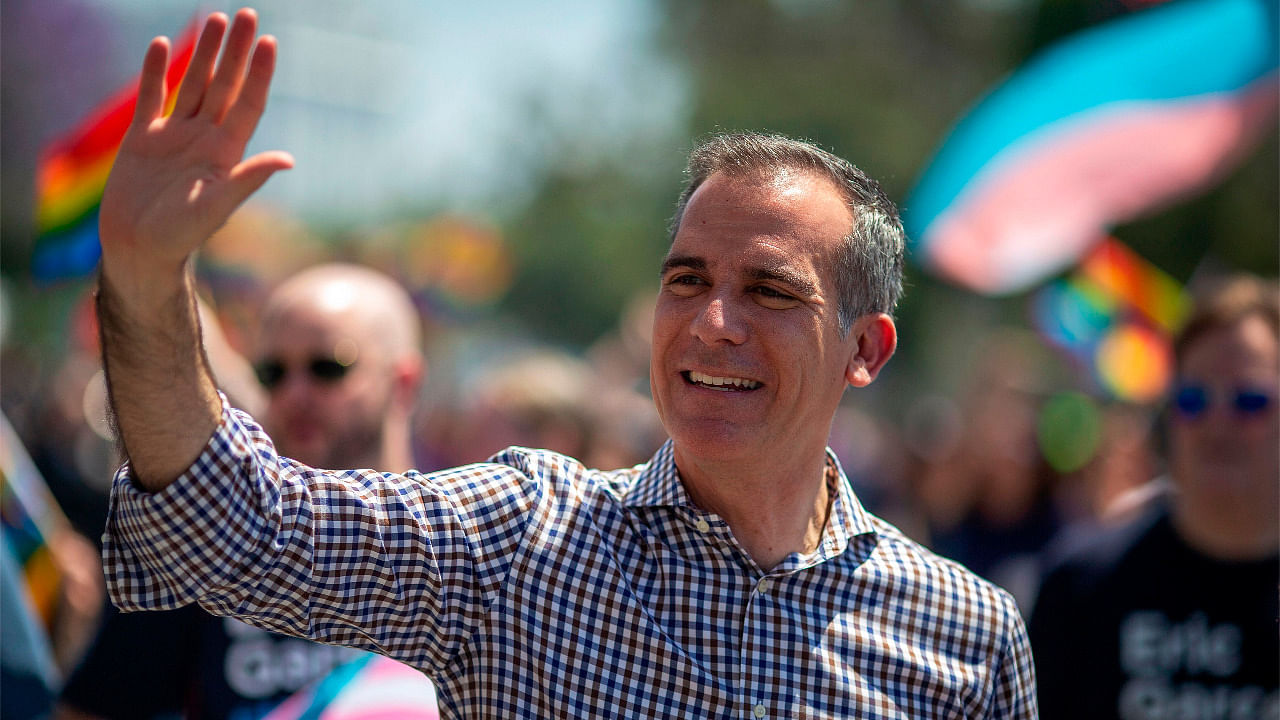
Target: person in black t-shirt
1174, 615
339, 358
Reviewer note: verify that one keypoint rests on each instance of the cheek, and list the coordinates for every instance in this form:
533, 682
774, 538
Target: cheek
668, 324
1265, 431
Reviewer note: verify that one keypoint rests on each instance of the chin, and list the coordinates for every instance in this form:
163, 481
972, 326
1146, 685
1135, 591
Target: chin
715, 441
1228, 480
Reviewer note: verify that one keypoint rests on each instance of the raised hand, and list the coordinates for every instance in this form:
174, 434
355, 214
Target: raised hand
176, 179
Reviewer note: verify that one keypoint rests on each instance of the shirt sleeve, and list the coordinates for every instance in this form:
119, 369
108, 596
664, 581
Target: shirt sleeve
1015, 686
403, 565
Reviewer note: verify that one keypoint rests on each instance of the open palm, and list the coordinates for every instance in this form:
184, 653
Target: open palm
176, 179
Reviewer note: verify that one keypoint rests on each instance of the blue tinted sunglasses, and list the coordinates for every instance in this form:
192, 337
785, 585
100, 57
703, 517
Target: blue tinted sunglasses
1193, 401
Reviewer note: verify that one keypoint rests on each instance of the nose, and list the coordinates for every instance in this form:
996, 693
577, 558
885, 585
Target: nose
719, 322
295, 387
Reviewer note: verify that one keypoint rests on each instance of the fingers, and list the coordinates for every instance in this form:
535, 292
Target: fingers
229, 76
151, 83
242, 119
200, 69
247, 177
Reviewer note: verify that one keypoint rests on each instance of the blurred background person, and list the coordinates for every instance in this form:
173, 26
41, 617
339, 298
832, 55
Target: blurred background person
340, 362
991, 500
1173, 614
561, 123
51, 587
340, 359
546, 398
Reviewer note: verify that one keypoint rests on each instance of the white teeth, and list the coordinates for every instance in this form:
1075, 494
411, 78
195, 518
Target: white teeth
713, 381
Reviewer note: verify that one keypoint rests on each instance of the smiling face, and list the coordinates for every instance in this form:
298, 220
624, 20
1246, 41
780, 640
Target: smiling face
749, 360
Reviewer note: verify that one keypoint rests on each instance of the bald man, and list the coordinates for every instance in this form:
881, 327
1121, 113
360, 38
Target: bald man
338, 356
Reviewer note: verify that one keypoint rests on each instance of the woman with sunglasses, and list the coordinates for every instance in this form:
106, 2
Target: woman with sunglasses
1174, 614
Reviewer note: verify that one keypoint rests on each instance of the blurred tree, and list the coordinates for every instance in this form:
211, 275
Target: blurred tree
591, 239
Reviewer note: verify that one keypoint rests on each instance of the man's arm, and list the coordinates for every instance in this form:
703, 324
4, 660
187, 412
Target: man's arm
1015, 681
175, 180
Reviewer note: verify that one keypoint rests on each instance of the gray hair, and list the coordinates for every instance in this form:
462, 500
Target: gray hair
868, 263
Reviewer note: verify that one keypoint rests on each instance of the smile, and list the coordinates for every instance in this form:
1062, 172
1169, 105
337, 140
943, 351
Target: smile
724, 384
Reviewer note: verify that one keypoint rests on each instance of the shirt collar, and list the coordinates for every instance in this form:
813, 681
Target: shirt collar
659, 485
848, 519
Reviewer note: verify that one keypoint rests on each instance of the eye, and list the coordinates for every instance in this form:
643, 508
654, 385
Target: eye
684, 283
772, 297
767, 291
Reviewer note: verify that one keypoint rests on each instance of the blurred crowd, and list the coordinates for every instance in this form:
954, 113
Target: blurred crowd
974, 476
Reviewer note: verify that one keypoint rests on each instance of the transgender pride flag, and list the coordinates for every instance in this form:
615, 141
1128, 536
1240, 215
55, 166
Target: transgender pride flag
1099, 129
370, 687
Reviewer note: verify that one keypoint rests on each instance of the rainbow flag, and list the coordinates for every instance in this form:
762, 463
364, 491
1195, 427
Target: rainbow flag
1105, 126
29, 517
72, 171
1115, 315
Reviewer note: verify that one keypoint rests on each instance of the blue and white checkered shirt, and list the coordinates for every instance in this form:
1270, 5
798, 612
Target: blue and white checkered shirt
532, 587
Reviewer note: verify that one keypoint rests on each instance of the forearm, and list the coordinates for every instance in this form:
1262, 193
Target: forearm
342, 558
162, 396
176, 178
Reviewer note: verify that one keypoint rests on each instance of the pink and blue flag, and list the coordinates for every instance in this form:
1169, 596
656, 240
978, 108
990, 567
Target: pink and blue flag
1106, 126
371, 687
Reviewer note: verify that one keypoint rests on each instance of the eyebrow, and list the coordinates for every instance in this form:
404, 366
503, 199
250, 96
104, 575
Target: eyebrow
779, 274
787, 277
684, 261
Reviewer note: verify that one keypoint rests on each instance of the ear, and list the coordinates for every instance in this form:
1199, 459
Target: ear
875, 338
410, 372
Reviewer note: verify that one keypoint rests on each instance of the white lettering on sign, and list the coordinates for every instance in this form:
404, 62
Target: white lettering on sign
1149, 699
259, 665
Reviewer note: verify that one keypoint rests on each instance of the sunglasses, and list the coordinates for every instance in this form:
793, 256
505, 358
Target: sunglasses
1193, 401
322, 370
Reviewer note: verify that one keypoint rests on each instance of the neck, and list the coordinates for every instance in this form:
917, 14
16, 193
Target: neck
772, 514
396, 455
1243, 535
396, 451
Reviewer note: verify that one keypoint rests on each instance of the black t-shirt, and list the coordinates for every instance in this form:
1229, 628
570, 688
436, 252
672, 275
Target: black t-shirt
1134, 624
187, 663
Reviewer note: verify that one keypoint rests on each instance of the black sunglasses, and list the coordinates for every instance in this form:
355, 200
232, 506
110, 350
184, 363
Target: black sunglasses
1193, 401
323, 370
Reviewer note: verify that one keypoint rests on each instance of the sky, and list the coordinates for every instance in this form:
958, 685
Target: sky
392, 106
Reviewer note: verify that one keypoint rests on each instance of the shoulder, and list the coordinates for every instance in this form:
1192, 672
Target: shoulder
942, 585
543, 475
1088, 553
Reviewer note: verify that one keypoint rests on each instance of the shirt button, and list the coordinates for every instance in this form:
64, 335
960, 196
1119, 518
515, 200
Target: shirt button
763, 586
759, 711
703, 526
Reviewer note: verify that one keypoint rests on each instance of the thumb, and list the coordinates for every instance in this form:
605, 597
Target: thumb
245, 178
